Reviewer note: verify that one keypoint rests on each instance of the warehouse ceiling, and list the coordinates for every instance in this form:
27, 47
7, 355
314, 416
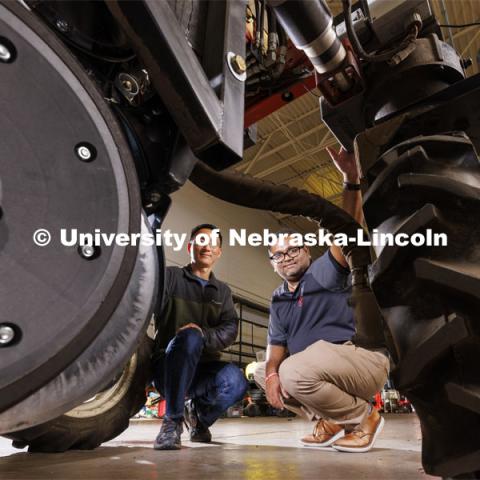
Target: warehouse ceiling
291, 142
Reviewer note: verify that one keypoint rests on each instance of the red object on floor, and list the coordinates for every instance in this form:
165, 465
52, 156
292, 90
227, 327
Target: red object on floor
161, 406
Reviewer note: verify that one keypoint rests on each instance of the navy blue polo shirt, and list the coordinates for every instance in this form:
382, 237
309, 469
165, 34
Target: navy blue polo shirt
316, 310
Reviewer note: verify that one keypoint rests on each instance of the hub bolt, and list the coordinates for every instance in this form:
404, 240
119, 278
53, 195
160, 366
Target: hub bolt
7, 334
5, 54
87, 251
85, 152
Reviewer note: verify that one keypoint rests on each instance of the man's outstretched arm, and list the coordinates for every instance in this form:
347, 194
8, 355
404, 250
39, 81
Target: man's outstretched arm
351, 199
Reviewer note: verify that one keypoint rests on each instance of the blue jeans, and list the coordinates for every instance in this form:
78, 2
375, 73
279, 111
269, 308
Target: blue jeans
214, 386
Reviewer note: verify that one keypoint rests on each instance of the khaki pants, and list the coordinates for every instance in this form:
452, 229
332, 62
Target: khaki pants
330, 381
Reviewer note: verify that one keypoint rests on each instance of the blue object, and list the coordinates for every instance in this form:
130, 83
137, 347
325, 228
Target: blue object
214, 386
201, 281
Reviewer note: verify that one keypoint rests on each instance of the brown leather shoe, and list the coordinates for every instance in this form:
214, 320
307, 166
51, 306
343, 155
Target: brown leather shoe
324, 434
363, 436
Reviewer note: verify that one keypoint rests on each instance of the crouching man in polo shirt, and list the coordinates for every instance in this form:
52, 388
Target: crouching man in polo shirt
312, 367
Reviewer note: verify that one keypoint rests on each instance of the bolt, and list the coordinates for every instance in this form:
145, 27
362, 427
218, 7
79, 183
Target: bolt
87, 251
238, 64
155, 197
287, 96
127, 85
466, 62
85, 152
5, 54
7, 334
63, 26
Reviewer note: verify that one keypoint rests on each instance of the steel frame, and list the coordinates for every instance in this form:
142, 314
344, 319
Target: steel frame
205, 100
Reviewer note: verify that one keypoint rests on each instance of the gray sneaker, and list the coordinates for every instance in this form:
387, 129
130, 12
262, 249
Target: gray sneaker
169, 436
198, 432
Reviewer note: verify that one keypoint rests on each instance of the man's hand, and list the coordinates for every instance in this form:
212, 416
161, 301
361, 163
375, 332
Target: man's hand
275, 392
346, 164
191, 325
276, 354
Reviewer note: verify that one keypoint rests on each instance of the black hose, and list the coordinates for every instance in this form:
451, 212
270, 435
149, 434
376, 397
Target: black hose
254, 193
262, 22
272, 40
282, 52
257, 22
282, 36
272, 21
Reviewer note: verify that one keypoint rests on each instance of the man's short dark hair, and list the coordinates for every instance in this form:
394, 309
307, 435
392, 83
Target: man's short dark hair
284, 231
209, 226
288, 231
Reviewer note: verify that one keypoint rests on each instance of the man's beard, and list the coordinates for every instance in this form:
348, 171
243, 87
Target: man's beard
295, 273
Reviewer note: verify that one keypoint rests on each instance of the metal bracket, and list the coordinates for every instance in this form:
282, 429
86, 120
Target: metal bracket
206, 100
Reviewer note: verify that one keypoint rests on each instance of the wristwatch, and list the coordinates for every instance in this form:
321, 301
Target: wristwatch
351, 186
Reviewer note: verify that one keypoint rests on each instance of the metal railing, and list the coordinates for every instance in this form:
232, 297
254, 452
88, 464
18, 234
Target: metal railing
238, 348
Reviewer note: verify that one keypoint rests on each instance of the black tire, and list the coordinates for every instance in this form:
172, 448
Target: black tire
430, 296
99, 420
103, 360
62, 357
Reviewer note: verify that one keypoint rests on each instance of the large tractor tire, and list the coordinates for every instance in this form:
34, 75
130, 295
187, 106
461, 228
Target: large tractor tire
430, 296
99, 419
77, 314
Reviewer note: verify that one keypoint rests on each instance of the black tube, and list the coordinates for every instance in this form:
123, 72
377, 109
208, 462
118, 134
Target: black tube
272, 21
309, 25
304, 20
282, 36
282, 52
262, 22
254, 193
257, 22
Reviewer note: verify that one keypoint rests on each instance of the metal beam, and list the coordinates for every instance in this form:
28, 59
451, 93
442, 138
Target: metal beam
301, 156
284, 145
470, 43
443, 8
465, 30
246, 168
288, 134
310, 171
246, 165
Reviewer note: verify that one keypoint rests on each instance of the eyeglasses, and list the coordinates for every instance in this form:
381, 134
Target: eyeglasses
292, 252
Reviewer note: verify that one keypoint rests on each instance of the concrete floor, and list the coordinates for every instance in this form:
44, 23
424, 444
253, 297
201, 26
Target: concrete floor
243, 448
